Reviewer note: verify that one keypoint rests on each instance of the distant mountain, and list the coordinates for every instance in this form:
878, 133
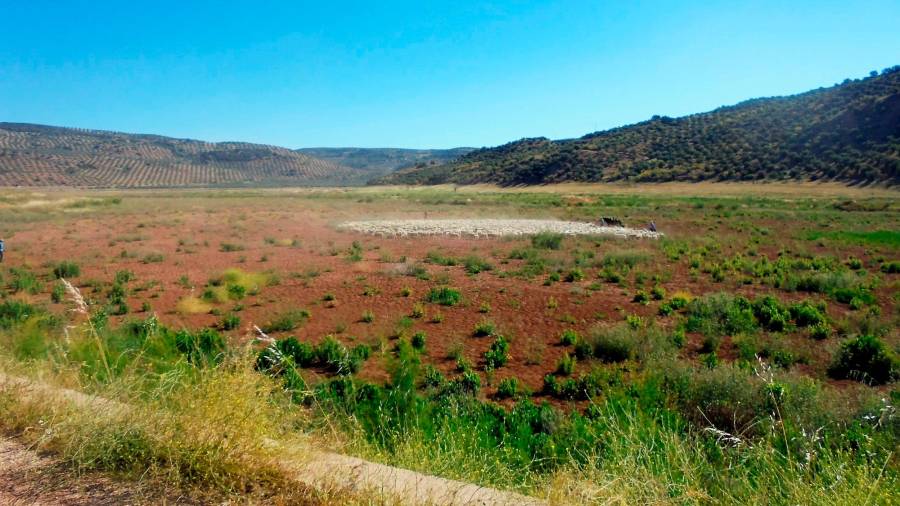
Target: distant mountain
848, 132
381, 161
37, 155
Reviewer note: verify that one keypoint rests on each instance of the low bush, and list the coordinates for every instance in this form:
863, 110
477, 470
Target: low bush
566, 365
227, 247
287, 321
66, 269
437, 258
574, 275
444, 295
772, 315
476, 265
615, 344
892, 267
230, 322
865, 359
806, 314
331, 355
547, 240
418, 341
720, 314
569, 337
497, 355
484, 328
508, 388
641, 297
23, 280
204, 346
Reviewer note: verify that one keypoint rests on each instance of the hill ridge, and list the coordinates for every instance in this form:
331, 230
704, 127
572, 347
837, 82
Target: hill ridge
42, 155
848, 132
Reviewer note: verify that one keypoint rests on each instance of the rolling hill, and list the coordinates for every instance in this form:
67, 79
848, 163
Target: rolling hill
849, 132
37, 155
381, 161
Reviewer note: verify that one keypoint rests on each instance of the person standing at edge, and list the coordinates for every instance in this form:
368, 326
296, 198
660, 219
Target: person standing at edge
2, 249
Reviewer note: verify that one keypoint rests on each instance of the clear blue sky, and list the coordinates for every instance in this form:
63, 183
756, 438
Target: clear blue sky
418, 74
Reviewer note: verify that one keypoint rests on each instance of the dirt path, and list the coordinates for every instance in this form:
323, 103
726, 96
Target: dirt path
29, 478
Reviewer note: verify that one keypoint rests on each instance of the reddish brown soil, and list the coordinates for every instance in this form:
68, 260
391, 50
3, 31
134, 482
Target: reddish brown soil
519, 307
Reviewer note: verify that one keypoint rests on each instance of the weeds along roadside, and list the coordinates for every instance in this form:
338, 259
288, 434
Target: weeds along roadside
197, 415
203, 413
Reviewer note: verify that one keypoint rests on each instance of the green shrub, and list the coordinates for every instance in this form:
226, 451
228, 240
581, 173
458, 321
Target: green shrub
484, 328
566, 365
287, 321
124, 276
230, 322
367, 317
227, 247
720, 314
418, 341
66, 269
236, 292
574, 275
437, 258
892, 267
547, 240
468, 383
497, 355
303, 354
58, 293
24, 280
806, 314
772, 315
336, 358
820, 331
508, 388
658, 293
153, 258
857, 297
865, 359
615, 344
444, 295
433, 378
641, 297
569, 337
476, 265
205, 346
676, 303
14, 312
624, 259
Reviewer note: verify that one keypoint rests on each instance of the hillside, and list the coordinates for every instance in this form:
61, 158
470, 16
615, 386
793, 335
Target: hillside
848, 132
381, 161
37, 155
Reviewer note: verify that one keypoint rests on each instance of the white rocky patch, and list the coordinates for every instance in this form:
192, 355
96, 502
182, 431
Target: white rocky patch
490, 228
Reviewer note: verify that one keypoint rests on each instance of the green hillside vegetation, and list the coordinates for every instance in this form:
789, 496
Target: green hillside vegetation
381, 161
38, 155
849, 132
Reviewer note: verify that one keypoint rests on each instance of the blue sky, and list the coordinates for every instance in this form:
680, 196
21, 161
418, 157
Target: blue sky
418, 74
